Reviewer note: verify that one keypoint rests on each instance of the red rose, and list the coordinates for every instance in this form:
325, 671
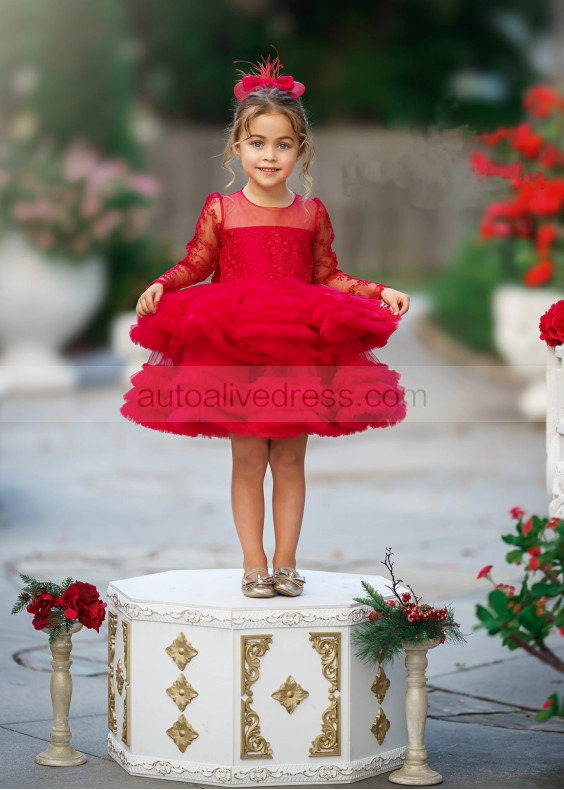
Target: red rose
42, 603
70, 599
551, 324
90, 608
41, 620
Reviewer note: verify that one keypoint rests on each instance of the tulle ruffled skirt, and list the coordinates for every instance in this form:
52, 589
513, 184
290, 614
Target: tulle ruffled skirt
273, 359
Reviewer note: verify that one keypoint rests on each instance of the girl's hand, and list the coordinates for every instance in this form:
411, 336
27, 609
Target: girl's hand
398, 301
149, 299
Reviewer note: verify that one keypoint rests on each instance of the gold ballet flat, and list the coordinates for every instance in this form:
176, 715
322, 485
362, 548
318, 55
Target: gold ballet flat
288, 581
260, 586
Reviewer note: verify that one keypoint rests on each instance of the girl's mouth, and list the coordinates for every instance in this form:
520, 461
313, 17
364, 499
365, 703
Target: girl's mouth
269, 169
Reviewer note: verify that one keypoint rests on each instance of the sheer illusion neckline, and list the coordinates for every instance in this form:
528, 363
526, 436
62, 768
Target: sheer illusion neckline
275, 207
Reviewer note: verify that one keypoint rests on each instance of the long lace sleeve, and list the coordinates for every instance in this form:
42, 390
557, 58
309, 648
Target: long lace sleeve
202, 249
325, 265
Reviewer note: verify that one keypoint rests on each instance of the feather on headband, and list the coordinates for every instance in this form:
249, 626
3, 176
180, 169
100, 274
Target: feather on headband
265, 74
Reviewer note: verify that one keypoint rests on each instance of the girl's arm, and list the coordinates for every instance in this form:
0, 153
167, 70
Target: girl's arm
200, 260
325, 265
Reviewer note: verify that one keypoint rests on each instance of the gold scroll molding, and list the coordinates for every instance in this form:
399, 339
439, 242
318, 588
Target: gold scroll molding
290, 694
126, 729
120, 677
112, 629
328, 742
253, 744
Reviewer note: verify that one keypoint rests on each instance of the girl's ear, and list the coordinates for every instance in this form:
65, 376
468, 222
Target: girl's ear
235, 149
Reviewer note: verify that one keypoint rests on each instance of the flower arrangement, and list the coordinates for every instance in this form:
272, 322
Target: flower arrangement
58, 607
391, 623
530, 156
72, 202
551, 324
525, 618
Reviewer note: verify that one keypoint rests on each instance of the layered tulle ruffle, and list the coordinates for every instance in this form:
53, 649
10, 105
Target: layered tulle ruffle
271, 359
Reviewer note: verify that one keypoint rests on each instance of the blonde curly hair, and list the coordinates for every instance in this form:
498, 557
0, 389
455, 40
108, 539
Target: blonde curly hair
270, 100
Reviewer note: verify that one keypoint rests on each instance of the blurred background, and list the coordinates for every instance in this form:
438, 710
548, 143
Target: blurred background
395, 91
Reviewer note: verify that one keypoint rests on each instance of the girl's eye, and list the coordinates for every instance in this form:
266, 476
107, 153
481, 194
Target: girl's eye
256, 142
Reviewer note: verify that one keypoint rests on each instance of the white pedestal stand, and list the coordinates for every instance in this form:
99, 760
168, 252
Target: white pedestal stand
208, 686
415, 770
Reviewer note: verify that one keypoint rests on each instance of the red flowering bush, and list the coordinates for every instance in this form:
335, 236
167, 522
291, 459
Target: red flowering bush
59, 607
525, 618
531, 157
551, 324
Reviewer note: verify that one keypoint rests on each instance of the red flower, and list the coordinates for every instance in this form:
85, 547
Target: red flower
484, 572
492, 138
527, 526
561, 630
483, 166
516, 512
41, 620
524, 140
551, 156
534, 551
533, 564
541, 100
540, 273
553, 523
545, 236
82, 602
547, 704
551, 327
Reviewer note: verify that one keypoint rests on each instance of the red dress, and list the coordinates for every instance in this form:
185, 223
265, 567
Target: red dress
277, 344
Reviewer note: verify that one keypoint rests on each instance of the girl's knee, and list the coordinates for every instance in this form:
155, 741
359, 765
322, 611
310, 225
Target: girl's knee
287, 458
250, 455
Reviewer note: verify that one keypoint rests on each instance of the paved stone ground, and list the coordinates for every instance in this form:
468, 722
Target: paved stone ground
83, 492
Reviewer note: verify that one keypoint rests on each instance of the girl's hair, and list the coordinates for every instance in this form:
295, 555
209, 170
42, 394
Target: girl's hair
270, 100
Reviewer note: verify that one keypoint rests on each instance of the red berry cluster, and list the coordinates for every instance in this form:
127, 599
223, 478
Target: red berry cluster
416, 613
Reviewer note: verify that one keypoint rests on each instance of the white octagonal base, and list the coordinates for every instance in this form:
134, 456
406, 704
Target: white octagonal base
206, 685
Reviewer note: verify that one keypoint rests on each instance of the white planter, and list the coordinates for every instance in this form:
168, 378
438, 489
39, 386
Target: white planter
45, 304
133, 355
517, 311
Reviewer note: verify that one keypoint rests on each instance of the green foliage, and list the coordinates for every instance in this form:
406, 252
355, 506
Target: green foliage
361, 61
524, 618
461, 294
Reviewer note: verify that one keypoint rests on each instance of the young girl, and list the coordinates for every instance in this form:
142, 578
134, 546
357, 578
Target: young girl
278, 345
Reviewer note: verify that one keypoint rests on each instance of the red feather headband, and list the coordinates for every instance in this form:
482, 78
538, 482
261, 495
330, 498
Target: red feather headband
265, 75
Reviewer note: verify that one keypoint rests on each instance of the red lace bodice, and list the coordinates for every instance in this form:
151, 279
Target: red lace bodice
238, 240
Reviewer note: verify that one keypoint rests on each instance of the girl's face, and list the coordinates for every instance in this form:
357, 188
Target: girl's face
270, 153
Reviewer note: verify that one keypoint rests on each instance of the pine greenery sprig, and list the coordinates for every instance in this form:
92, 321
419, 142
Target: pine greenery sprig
58, 624
390, 624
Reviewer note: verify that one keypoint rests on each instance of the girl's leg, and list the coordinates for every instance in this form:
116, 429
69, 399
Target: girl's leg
288, 496
250, 459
